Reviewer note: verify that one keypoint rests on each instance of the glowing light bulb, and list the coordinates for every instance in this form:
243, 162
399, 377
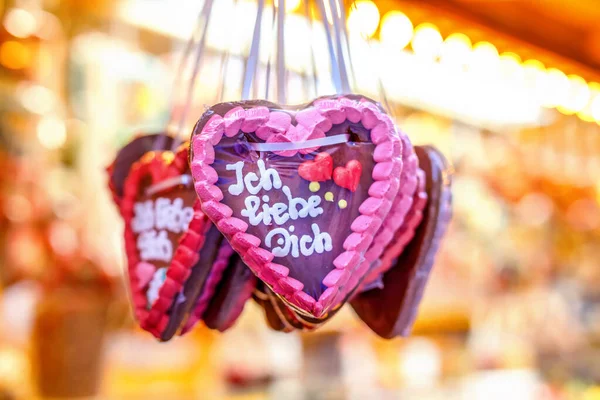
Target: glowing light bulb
15, 55
20, 23
51, 132
456, 49
37, 99
364, 18
427, 41
595, 109
534, 73
577, 97
555, 89
396, 30
290, 5
484, 57
510, 64
586, 114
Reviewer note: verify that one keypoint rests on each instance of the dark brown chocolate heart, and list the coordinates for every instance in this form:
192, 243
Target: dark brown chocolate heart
261, 298
194, 285
391, 311
131, 153
234, 290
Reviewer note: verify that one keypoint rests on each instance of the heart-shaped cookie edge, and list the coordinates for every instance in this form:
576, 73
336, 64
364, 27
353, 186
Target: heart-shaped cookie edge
392, 310
185, 255
350, 267
210, 286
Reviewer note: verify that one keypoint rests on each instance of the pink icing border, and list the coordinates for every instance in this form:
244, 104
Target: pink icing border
350, 264
408, 229
403, 203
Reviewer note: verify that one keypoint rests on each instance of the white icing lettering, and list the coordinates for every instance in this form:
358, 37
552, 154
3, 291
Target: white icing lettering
284, 242
276, 211
155, 246
267, 178
162, 214
266, 175
306, 245
237, 188
252, 204
252, 177
143, 216
258, 209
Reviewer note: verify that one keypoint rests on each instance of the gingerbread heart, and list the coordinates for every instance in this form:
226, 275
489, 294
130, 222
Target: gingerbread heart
131, 153
272, 316
212, 278
306, 240
391, 310
234, 290
164, 233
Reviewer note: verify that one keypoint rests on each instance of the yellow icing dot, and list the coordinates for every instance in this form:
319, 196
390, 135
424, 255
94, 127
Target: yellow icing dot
314, 187
329, 196
342, 204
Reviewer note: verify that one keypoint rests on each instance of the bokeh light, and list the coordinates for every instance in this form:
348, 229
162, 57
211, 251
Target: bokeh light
15, 55
578, 96
485, 57
534, 74
63, 238
364, 18
555, 88
595, 109
396, 30
20, 23
18, 208
290, 5
37, 99
427, 41
510, 64
456, 49
594, 101
52, 132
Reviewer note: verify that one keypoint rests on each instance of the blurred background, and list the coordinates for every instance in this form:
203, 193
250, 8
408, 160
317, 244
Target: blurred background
507, 90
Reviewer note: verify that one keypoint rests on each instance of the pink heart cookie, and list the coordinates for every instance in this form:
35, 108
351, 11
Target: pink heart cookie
307, 241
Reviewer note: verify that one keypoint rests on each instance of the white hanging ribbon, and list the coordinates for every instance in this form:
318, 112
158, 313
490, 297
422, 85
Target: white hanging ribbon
335, 70
205, 16
281, 81
313, 65
268, 69
346, 40
335, 8
326, 141
184, 180
252, 61
160, 141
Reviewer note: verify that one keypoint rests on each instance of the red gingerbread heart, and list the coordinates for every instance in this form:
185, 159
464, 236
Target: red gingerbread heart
317, 170
171, 246
307, 243
164, 232
349, 176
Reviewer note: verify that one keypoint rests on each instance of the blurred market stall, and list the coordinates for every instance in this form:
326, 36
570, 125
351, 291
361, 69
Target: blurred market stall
508, 92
